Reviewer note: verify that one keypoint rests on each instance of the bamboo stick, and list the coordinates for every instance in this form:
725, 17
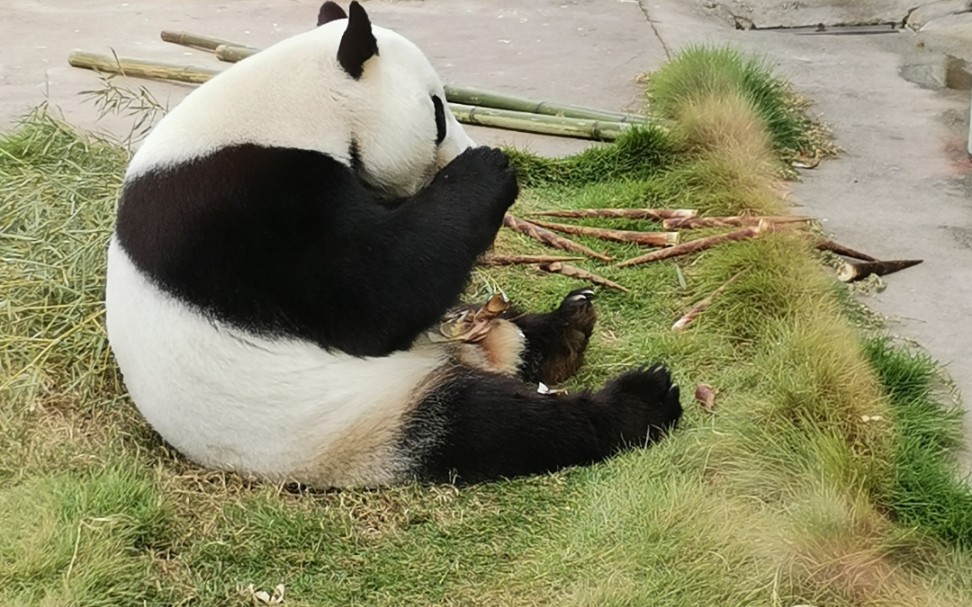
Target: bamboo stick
729, 222
196, 41
484, 98
658, 214
537, 123
700, 307
852, 271
697, 245
138, 68
512, 260
651, 239
581, 274
549, 238
232, 53
833, 247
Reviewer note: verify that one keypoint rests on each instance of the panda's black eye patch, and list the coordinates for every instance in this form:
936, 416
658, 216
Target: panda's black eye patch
440, 121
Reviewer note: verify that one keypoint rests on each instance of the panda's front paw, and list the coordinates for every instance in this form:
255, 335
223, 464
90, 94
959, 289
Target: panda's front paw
483, 173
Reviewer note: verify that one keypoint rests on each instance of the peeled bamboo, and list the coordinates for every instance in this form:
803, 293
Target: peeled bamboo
205, 43
513, 260
549, 238
581, 274
537, 123
728, 222
700, 307
619, 213
138, 68
651, 239
696, 245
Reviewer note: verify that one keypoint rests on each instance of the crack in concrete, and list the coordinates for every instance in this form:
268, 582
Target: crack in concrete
654, 28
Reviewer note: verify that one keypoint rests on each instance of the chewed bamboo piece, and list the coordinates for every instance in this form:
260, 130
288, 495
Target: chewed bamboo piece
700, 244
853, 271
655, 214
550, 238
513, 260
558, 267
651, 239
700, 307
833, 247
728, 222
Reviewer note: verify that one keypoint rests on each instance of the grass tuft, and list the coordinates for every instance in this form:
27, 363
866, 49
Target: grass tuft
701, 72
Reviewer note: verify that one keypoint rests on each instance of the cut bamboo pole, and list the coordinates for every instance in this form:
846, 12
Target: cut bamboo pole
729, 222
138, 68
513, 260
697, 245
581, 274
203, 43
852, 271
651, 239
232, 53
537, 123
484, 98
700, 307
833, 247
550, 238
657, 214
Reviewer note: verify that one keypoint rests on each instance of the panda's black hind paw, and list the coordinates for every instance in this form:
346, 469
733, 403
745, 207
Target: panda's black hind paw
641, 405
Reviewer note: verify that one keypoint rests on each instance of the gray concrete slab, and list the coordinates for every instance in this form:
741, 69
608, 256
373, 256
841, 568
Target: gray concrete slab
901, 190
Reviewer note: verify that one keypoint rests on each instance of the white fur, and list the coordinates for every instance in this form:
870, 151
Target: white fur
271, 408
295, 94
284, 408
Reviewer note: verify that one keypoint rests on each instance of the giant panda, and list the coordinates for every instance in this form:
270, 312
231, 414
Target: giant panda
287, 239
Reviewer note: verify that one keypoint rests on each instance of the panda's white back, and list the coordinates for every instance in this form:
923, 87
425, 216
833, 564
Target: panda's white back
275, 407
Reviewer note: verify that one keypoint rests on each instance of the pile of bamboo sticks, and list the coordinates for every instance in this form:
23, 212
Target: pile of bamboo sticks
470, 105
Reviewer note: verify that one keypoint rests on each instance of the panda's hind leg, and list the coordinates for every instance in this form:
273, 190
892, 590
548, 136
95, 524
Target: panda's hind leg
488, 426
555, 341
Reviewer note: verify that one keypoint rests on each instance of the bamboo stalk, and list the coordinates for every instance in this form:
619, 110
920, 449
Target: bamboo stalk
484, 98
852, 271
700, 307
512, 260
833, 247
651, 239
549, 238
537, 123
581, 274
232, 53
697, 245
196, 41
658, 214
138, 68
729, 222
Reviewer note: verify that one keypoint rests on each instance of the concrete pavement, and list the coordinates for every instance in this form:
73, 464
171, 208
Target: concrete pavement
901, 190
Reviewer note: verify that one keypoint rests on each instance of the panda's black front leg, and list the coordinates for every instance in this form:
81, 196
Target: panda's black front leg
556, 341
481, 426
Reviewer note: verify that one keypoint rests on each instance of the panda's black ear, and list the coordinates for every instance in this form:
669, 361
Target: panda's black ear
358, 43
330, 11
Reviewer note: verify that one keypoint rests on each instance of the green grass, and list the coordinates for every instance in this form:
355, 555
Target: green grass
823, 477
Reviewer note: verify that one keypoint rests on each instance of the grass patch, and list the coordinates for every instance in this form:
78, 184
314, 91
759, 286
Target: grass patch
822, 478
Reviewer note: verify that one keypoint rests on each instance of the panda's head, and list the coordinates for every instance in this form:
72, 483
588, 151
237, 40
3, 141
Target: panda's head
360, 93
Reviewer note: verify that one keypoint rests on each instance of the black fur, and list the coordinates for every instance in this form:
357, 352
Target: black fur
286, 241
440, 120
489, 426
330, 11
358, 44
556, 341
